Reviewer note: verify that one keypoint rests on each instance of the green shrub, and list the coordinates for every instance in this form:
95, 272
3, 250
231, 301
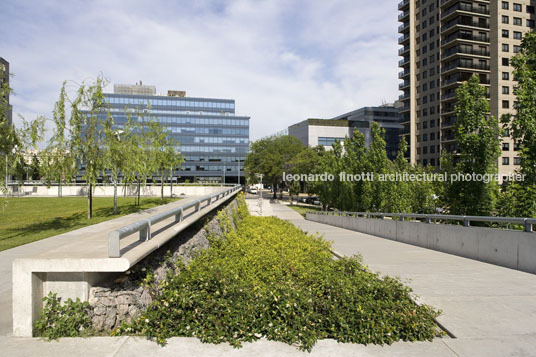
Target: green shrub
57, 320
268, 278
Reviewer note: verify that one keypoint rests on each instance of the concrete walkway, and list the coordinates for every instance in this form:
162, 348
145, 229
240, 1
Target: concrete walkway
491, 310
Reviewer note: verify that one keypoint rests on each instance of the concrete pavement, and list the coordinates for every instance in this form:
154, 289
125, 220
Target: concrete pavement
491, 310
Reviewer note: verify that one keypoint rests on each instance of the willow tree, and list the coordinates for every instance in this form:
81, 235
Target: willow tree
57, 160
86, 141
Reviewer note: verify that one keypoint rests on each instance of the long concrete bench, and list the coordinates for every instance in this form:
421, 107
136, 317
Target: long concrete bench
82, 258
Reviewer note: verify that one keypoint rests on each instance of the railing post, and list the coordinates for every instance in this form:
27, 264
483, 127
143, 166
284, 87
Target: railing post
428, 219
528, 225
382, 216
178, 216
145, 233
466, 222
114, 250
197, 205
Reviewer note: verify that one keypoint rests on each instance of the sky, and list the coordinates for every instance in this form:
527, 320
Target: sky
282, 61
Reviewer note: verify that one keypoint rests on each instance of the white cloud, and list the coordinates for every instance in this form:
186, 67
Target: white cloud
281, 61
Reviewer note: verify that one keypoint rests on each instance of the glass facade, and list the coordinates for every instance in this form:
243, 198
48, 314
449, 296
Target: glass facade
213, 140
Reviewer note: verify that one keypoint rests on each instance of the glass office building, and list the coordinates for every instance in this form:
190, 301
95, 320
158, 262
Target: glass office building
212, 139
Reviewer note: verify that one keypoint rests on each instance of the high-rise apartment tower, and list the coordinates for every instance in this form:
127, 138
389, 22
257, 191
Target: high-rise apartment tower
445, 42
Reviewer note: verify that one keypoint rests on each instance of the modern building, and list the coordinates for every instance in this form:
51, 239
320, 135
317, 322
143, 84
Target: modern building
445, 42
4, 79
213, 139
313, 132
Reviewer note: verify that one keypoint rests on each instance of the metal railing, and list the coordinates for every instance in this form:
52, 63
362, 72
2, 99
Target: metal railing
143, 226
527, 223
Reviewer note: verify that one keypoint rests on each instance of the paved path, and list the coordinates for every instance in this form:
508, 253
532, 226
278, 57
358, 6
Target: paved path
59, 243
491, 310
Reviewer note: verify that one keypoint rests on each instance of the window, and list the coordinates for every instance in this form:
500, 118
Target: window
432, 136
432, 149
432, 122
506, 161
505, 5
505, 62
505, 47
505, 146
432, 162
505, 104
517, 160
518, 21
424, 37
516, 146
518, 7
530, 23
518, 35
517, 48
424, 137
325, 141
425, 150
505, 33
425, 125
505, 90
530, 9
505, 19
425, 162
505, 76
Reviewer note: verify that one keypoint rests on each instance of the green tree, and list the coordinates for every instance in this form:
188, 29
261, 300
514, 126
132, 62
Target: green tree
522, 128
59, 163
86, 137
270, 157
477, 134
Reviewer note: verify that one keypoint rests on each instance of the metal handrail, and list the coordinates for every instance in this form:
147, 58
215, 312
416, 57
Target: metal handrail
143, 226
526, 222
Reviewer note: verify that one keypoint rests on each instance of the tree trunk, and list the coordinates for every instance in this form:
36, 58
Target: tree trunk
275, 191
171, 187
115, 197
90, 202
162, 187
139, 186
59, 188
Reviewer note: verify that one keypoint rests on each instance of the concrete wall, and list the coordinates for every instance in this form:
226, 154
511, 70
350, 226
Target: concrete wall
108, 191
511, 249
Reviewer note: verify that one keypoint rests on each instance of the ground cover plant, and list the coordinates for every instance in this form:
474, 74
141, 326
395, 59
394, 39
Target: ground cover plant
28, 219
269, 279
304, 209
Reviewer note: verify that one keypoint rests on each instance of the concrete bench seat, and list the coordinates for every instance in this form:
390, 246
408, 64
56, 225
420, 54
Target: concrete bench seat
80, 259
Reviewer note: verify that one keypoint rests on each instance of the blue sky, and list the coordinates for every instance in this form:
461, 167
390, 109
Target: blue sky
282, 60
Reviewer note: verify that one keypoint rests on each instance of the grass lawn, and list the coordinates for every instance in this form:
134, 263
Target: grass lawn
28, 219
304, 209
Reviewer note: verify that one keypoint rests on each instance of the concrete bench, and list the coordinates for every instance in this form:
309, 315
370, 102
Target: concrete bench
81, 259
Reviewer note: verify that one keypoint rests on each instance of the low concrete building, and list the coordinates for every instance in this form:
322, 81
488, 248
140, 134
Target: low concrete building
313, 132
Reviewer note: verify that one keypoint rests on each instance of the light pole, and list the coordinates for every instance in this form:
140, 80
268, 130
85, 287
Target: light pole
260, 193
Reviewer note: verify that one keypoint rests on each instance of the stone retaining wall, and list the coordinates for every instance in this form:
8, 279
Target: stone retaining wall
127, 296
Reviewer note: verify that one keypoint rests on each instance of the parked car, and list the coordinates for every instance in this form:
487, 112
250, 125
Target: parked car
253, 191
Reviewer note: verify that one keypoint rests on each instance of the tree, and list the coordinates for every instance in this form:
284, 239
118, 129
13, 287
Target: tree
477, 134
86, 136
270, 156
163, 155
116, 153
522, 127
59, 163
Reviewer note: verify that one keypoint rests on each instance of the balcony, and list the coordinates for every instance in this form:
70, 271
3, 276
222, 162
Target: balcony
460, 64
403, 39
403, 27
403, 96
403, 50
465, 8
404, 73
451, 95
403, 4
402, 16
463, 36
463, 21
403, 85
403, 62
464, 50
